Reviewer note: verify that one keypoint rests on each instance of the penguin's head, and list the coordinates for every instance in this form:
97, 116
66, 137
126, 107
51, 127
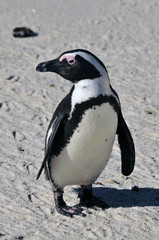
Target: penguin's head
75, 65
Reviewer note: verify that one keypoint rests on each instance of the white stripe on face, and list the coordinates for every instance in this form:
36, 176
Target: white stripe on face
70, 59
71, 56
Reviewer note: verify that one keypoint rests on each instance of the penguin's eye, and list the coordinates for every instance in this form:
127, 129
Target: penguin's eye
71, 61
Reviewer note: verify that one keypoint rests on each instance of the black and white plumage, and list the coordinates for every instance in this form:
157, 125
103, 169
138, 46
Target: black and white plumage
81, 133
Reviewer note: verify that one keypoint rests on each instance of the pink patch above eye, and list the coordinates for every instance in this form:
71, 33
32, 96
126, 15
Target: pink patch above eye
70, 59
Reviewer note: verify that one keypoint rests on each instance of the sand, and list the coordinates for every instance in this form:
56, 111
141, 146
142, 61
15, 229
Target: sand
125, 36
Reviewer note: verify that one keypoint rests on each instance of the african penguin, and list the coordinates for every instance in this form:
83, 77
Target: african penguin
81, 134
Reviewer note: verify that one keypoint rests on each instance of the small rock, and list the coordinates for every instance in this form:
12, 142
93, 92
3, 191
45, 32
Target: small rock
148, 112
21, 32
52, 85
19, 237
135, 188
14, 134
29, 197
20, 149
10, 77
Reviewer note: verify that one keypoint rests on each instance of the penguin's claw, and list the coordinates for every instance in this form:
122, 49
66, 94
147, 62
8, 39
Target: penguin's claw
70, 211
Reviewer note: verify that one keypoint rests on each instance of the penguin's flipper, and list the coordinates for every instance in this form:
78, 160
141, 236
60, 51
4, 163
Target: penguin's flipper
126, 145
55, 126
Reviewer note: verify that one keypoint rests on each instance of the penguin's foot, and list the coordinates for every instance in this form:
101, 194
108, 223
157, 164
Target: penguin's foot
68, 211
88, 200
65, 210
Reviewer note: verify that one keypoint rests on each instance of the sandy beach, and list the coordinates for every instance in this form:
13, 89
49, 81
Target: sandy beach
125, 36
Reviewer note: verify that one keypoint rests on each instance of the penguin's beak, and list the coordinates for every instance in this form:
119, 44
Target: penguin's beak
49, 66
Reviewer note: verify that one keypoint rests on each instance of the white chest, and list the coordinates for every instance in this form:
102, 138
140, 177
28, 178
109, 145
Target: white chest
89, 149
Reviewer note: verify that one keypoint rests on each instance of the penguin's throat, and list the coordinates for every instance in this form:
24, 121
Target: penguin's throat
87, 89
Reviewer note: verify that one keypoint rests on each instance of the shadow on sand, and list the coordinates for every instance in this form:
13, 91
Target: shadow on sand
126, 197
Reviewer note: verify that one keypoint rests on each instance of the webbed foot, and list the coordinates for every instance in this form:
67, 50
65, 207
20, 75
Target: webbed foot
63, 209
88, 200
